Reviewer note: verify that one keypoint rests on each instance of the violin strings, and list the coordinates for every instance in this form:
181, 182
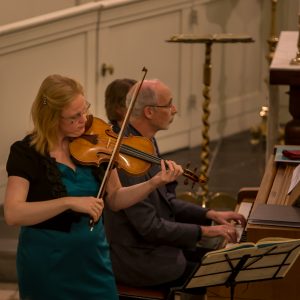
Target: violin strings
139, 154
152, 159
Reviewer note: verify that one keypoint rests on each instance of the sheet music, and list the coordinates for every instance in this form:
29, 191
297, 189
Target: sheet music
269, 258
295, 178
275, 215
245, 208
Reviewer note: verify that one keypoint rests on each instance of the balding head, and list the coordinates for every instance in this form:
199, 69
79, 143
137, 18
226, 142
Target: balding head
149, 94
154, 109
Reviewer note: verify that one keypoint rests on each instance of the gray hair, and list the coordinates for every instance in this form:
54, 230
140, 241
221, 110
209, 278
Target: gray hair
147, 96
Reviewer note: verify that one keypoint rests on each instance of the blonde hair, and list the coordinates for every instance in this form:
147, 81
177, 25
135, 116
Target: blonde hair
54, 94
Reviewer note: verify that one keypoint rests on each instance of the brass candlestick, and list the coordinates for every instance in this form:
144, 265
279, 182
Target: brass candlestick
259, 133
208, 40
296, 60
273, 39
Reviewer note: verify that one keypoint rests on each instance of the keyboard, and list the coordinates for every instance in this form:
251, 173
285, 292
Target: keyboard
244, 209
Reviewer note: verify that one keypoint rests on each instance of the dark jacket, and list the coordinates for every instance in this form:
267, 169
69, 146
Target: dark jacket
147, 240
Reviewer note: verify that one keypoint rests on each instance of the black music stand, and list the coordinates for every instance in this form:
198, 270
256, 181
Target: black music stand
245, 263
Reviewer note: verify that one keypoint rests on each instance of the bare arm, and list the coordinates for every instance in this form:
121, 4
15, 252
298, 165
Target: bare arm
122, 197
19, 212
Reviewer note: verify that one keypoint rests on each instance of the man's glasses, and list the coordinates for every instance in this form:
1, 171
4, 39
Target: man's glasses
169, 105
79, 115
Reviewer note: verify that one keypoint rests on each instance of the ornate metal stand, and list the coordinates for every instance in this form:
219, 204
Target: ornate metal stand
208, 40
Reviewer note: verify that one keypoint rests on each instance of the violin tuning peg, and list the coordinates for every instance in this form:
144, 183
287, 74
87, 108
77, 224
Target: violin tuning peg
188, 165
186, 181
195, 170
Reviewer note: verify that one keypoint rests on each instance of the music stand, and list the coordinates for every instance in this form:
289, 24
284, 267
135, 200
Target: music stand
245, 263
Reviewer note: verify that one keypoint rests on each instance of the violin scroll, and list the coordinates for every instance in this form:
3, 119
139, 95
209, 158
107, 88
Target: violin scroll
190, 175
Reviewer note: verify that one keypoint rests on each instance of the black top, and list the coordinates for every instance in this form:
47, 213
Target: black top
45, 181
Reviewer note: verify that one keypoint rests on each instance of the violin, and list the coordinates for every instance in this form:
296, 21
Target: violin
136, 153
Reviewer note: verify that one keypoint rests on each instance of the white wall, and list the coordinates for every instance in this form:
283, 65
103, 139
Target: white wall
236, 84
128, 34
17, 10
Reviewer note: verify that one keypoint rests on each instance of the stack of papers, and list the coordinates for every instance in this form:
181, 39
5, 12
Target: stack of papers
275, 215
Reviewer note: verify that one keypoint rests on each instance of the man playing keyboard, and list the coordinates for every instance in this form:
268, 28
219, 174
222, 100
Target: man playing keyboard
154, 243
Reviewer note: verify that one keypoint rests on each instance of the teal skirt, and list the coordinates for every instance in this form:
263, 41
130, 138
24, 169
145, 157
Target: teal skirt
75, 265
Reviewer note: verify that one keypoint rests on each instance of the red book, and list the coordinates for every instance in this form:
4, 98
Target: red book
291, 154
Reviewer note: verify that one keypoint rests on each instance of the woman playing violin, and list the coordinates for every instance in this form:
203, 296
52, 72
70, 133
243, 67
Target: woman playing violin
52, 198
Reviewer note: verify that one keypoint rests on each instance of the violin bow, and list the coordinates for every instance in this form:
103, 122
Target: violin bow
116, 149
